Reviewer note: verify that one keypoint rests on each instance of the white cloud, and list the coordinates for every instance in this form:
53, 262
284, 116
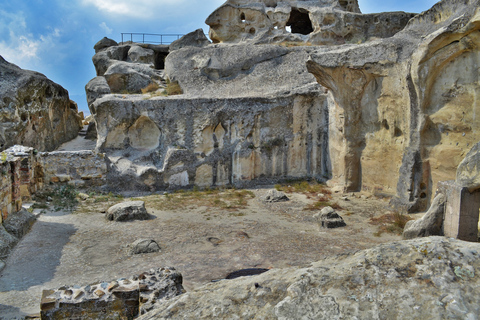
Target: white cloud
105, 28
21, 47
21, 53
137, 9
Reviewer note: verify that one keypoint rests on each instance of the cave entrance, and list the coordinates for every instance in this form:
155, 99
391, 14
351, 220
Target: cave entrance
299, 22
160, 60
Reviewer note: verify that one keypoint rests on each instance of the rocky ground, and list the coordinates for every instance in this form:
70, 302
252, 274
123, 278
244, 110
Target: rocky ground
204, 234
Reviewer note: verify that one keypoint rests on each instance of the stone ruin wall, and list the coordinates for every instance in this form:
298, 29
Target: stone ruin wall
125, 298
24, 172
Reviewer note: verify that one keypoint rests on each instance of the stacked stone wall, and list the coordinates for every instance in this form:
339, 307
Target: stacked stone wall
120, 299
23, 172
79, 168
17, 177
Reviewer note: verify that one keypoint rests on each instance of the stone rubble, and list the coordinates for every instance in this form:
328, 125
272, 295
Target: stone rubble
125, 298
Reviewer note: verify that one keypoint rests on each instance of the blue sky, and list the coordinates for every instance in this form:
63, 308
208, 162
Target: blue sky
56, 37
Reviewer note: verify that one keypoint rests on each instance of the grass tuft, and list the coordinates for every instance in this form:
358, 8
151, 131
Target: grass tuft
229, 199
390, 223
173, 88
152, 87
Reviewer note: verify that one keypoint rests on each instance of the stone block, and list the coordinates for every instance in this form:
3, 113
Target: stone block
461, 211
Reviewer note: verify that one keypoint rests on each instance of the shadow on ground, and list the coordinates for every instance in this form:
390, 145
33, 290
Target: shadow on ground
10, 310
34, 262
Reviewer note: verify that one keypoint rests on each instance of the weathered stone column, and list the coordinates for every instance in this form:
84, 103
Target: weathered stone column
347, 85
461, 211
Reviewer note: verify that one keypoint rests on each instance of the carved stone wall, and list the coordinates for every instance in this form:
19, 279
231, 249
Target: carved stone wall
213, 142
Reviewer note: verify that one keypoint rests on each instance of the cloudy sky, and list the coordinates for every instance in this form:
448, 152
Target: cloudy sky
56, 37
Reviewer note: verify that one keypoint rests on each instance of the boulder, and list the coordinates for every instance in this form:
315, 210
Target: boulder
19, 223
91, 131
430, 224
328, 218
103, 59
468, 171
141, 55
36, 112
159, 285
7, 242
96, 88
193, 39
394, 280
274, 195
124, 77
104, 43
127, 211
144, 246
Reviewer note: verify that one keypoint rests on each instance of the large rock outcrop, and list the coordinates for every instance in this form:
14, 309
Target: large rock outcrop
393, 114
321, 22
34, 111
405, 106
428, 278
224, 129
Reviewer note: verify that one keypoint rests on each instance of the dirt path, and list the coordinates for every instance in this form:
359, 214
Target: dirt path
202, 242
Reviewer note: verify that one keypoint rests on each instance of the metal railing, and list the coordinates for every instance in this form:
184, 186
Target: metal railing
153, 38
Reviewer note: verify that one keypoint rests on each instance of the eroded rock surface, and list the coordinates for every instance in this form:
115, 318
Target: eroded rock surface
468, 171
321, 22
392, 114
34, 111
430, 224
428, 278
405, 106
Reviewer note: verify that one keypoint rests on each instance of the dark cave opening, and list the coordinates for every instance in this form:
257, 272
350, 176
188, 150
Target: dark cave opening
160, 60
300, 22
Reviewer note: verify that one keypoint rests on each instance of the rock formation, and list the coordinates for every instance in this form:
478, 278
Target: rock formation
119, 299
427, 278
34, 111
405, 106
321, 22
392, 113
127, 211
431, 224
329, 218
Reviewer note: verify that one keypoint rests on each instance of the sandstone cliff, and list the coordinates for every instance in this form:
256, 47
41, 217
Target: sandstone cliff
391, 113
34, 111
405, 106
